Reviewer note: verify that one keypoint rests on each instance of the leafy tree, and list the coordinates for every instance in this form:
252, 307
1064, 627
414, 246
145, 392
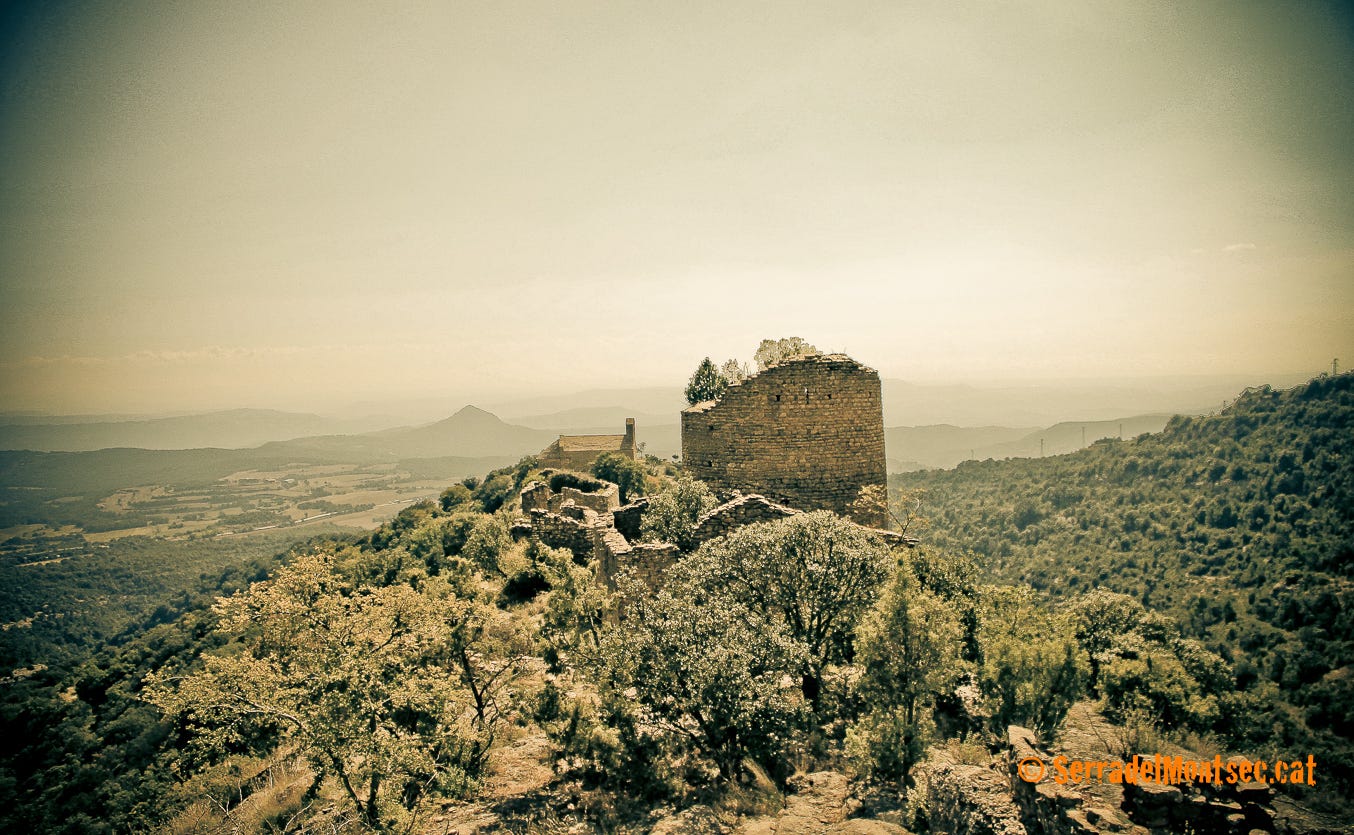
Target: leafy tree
708, 680
626, 473
494, 492
454, 497
456, 531
1143, 668
726, 661
1031, 668
1103, 620
1152, 682
575, 608
808, 578
908, 648
1026, 513
705, 384
487, 541
734, 371
387, 689
772, 351
672, 513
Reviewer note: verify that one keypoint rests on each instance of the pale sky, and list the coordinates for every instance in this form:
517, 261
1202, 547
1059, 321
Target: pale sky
297, 205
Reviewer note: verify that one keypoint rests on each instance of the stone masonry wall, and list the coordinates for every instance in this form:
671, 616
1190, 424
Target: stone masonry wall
732, 515
647, 560
555, 458
572, 529
604, 500
536, 496
629, 518
808, 432
578, 452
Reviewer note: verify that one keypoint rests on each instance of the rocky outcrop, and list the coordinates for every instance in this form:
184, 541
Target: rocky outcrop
1016, 792
969, 799
820, 803
1048, 808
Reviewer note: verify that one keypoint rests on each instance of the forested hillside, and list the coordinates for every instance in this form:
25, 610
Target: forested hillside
1240, 525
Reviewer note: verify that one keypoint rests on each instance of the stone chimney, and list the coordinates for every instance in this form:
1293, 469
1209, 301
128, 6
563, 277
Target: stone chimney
628, 445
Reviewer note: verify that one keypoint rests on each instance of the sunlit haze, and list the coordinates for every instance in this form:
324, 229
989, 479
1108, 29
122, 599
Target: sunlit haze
316, 205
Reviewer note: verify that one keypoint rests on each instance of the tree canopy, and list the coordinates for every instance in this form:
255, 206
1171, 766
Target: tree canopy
772, 351
706, 383
809, 578
389, 688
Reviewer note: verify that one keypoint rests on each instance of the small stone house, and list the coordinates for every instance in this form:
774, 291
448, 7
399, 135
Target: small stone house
577, 452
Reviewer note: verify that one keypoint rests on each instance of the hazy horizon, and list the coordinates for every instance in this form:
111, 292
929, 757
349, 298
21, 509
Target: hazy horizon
942, 402
320, 205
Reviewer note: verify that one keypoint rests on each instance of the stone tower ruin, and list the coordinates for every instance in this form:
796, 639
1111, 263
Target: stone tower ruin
808, 432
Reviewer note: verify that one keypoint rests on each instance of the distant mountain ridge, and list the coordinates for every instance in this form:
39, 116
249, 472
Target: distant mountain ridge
655, 408
911, 448
470, 429
473, 432
914, 404
230, 429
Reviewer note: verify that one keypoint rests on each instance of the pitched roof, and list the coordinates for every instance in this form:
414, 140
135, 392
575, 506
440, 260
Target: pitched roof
588, 443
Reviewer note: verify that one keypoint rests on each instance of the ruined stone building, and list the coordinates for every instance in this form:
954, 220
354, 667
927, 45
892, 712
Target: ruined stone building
577, 452
807, 432
585, 516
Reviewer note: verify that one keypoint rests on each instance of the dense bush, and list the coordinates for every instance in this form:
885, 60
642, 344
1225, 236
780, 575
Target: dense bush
626, 473
673, 511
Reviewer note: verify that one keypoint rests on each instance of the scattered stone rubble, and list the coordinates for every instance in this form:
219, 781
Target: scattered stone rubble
993, 799
592, 524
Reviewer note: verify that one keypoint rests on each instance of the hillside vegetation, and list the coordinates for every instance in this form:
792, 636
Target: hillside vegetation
1239, 525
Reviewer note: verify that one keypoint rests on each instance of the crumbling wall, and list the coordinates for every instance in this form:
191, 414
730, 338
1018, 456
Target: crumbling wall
602, 501
741, 511
572, 528
628, 518
585, 523
808, 432
647, 560
1134, 807
535, 496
